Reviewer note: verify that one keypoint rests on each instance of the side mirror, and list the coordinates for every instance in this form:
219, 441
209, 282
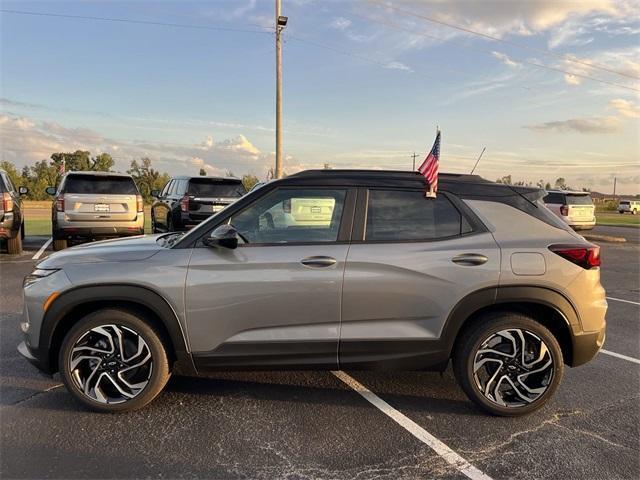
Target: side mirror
51, 190
225, 236
155, 193
23, 190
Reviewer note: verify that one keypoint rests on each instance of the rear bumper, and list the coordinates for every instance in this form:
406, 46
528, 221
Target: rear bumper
586, 345
97, 232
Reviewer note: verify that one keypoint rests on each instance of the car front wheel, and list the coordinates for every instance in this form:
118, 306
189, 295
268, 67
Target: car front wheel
508, 364
113, 361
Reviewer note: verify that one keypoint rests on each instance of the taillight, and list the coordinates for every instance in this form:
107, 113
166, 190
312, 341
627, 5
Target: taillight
184, 203
139, 203
60, 203
585, 256
7, 202
564, 210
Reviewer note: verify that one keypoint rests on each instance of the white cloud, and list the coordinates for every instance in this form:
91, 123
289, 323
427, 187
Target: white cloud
625, 107
24, 141
398, 66
586, 125
504, 58
572, 79
340, 23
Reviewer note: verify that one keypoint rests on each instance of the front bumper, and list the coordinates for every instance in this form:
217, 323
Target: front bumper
35, 357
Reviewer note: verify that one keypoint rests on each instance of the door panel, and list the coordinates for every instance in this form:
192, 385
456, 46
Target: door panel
261, 306
397, 296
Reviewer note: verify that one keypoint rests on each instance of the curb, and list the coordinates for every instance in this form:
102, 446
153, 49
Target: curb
604, 238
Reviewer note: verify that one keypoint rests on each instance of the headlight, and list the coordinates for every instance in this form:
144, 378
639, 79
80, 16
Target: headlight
37, 274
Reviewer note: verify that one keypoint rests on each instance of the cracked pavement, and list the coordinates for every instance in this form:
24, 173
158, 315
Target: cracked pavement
309, 425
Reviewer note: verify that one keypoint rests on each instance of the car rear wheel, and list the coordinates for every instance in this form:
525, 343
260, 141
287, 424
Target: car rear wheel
113, 361
508, 364
634, 211
14, 245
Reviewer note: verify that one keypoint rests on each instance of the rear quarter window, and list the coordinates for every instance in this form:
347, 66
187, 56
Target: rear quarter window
100, 185
396, 215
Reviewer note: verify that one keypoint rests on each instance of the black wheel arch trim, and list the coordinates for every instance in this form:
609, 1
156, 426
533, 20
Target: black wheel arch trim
476, 301
131, 293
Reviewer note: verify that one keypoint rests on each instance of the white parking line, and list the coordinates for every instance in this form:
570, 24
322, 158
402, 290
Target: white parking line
619, 355
451, 457
42, 249
624, 301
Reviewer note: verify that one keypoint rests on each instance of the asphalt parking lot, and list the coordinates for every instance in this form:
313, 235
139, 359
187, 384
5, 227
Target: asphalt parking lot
299, 425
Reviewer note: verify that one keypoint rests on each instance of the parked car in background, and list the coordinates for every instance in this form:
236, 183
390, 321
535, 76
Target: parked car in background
629, 206
11, 214
93, 206
576, 209
329, 269
185, 201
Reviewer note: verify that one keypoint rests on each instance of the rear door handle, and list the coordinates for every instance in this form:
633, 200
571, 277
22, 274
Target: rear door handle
318, 262
470, 259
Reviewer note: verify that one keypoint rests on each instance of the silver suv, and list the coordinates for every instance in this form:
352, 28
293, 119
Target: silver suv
329, 270
95, 205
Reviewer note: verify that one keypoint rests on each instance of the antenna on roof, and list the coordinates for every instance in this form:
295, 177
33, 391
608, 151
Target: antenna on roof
478, 160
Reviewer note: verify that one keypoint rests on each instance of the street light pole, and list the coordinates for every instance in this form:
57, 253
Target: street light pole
280, 23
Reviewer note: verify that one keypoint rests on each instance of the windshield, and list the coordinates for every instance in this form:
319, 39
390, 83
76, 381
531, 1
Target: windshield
210, 187
579, 200
625, 203
100, 185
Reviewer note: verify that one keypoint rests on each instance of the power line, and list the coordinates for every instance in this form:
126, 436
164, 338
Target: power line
565, 57
519, 60
264, 30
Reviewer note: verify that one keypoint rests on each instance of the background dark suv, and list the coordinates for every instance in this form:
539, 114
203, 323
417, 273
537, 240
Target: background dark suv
186, 201
11, 214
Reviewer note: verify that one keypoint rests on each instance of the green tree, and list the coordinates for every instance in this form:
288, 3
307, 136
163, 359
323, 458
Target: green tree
78, 160
249, 180
561, 183
547, 186
506, 180
203, 172
102, 163
147, 178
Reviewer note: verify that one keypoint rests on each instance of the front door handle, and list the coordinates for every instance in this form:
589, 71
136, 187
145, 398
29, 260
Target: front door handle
318, 262
470, 259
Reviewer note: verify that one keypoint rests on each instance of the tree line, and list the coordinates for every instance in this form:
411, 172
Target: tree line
47, 173
559, 184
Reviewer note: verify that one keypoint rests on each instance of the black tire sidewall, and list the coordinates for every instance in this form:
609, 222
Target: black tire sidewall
160, 373
465, 354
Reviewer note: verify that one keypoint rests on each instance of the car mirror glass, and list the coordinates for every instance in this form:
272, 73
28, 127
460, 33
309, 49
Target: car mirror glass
51, 190
23, 190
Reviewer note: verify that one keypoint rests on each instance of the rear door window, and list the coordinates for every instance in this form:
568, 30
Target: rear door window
208, 187
100, 185
397, 215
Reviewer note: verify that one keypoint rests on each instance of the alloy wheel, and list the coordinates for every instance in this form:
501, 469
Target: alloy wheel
513, 367
110, 364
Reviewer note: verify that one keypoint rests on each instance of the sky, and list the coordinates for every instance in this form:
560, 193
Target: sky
549, 87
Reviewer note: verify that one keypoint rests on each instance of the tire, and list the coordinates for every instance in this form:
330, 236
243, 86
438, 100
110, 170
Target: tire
170, 222
22, 234
154, 229
502, 399
634, 211
59, 245
146, 370
14, 245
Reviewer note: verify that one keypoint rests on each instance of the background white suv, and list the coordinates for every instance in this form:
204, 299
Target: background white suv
576, 209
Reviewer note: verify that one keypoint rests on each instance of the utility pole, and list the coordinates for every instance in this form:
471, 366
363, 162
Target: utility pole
615, 180
414, 160
281, 22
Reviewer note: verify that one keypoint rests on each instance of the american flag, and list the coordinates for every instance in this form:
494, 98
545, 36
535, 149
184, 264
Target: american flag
429, 168
62, 167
